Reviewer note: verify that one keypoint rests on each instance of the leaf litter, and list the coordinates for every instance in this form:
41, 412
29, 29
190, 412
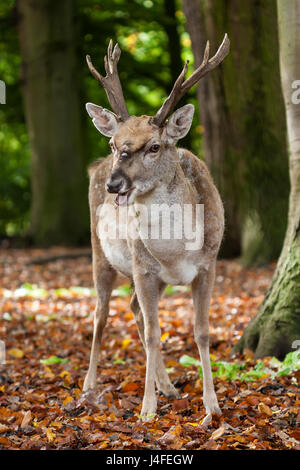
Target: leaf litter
46, 324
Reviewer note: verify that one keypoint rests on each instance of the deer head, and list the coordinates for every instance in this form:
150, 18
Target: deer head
144, 147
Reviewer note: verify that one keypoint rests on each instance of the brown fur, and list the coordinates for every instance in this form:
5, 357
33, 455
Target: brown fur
176, 176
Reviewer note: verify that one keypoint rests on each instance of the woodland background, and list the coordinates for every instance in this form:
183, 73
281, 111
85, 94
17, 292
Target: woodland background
241, 132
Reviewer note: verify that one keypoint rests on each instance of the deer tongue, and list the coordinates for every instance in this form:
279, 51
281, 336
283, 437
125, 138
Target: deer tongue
121, 199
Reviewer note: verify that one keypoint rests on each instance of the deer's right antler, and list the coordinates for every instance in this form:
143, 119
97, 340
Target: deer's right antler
111, 82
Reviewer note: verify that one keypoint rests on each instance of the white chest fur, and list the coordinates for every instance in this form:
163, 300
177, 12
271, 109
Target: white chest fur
175, 264
112, 232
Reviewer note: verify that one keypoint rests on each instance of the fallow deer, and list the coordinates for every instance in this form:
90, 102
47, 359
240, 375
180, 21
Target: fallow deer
146, 168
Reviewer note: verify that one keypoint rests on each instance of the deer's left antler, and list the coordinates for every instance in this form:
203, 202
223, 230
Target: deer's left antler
181, 86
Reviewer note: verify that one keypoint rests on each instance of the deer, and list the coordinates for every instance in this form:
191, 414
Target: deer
146, 168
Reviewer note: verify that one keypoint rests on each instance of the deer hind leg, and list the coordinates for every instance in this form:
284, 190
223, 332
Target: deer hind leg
104, 276
202, 290
162, 380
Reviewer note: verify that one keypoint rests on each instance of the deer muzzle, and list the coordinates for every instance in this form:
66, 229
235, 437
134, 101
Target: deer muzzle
119, 183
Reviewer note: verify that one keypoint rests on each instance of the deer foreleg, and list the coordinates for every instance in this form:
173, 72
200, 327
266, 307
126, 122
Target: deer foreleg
147, 290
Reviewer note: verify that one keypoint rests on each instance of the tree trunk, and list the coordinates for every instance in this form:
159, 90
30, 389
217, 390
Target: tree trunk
213, 114
59, 212
273, 330
244, 126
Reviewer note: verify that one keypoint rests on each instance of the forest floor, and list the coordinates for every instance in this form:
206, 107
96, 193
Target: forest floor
46, 324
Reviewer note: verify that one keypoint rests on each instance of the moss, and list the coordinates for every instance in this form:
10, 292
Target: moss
273, 330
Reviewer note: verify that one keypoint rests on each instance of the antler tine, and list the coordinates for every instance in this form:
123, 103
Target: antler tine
111, 82
209, 65
206, 53
181, 87
169, 102
93, 71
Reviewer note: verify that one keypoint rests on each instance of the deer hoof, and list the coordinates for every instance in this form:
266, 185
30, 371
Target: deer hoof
149, 409
89, 384
148, 417
170, 392
211, 405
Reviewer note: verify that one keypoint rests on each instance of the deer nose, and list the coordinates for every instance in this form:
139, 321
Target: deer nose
114, 186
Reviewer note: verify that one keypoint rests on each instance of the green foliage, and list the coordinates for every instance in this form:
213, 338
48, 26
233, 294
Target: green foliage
53, 360
173, 289
289, 364
236, 370
146, 70
122, 291
14, 149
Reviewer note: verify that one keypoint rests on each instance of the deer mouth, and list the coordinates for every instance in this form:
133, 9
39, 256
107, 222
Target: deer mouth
122, 199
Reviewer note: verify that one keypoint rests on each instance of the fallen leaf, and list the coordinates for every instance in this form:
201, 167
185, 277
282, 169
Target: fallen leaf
171, 437
125, 343
218, 433
3, 428
15, 352
4, 441
264, 409
68, 400
50, 435
296, 434
129, 386
27, 419
179, 405
164, 336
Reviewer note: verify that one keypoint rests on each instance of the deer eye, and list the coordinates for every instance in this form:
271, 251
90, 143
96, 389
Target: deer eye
124, 154
154, 148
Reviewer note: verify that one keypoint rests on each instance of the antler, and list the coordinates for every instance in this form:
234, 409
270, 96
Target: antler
181, 86
111, 82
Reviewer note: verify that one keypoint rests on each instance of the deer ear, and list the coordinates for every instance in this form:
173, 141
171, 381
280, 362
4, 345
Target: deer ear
179, 124
105, 121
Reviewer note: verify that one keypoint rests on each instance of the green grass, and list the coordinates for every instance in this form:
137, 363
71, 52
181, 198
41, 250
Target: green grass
237, 370
53, 360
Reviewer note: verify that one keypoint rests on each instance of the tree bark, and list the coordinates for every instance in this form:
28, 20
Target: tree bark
59, 212
273, 330
244, 126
